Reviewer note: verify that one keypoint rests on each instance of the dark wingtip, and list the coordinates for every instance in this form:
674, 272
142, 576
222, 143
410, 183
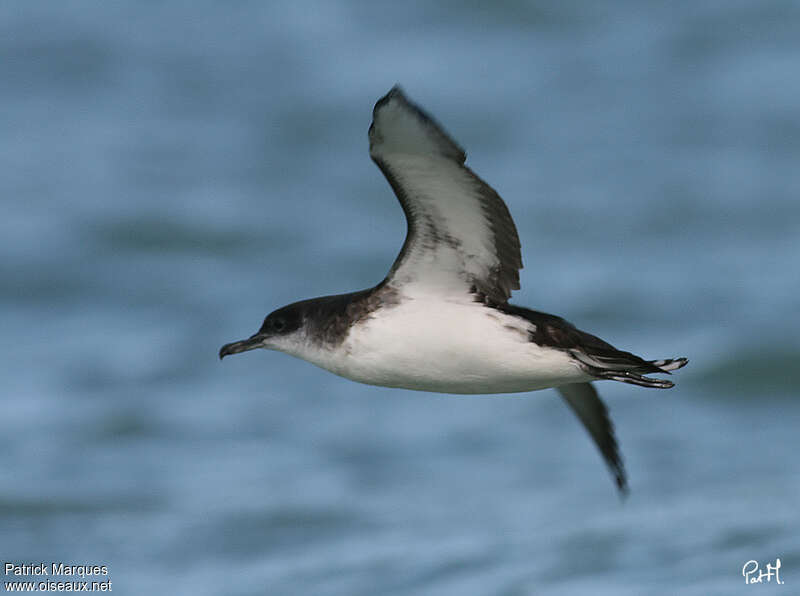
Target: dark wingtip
623, 489
617, 467
396, 91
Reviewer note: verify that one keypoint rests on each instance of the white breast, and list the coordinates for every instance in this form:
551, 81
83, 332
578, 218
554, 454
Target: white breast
448, 347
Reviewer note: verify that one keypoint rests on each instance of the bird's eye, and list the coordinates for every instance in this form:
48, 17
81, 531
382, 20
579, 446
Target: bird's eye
278, 325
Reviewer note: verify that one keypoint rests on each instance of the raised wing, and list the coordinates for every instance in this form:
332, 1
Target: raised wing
461, 237
587, 405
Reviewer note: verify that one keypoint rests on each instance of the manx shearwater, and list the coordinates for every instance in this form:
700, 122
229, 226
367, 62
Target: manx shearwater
440, 320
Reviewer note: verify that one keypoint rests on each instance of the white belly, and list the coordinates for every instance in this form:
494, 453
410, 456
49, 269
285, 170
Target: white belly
449, 348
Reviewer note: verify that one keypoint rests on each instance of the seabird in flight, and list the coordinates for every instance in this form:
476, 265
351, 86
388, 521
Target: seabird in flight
441, 321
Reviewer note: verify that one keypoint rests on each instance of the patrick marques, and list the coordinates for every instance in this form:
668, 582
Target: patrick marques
63, 572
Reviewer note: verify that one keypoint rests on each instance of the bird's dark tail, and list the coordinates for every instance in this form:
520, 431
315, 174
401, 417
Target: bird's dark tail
628, 368
670, 364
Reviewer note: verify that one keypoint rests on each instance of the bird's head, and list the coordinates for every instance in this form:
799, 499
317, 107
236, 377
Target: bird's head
282, 330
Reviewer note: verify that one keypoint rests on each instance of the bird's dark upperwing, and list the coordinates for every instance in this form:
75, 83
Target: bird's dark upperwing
461, 237
587, 405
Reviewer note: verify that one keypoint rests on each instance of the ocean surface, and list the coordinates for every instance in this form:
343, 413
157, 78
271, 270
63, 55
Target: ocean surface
172, 172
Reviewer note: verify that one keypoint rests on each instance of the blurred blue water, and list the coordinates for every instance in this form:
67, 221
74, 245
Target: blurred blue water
172, 172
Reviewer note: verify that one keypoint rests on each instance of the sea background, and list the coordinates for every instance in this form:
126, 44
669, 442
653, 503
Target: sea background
171, 172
